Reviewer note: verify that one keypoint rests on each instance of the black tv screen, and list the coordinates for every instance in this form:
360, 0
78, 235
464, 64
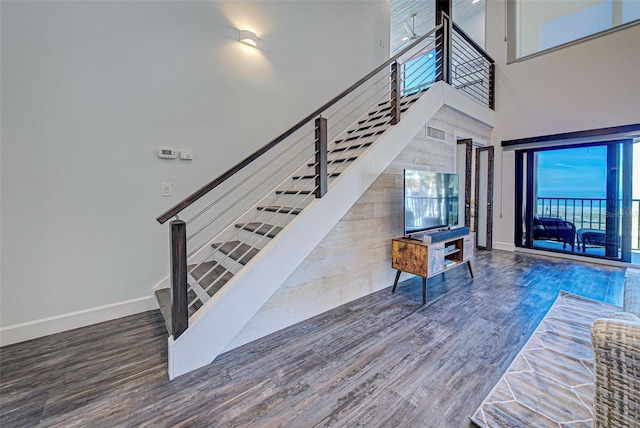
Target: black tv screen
430, 200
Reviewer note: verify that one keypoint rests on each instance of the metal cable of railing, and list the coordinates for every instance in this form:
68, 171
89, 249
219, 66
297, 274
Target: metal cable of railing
431, 69
470, 54
263, 237
470, 85
267, 232
384, 76
255, 187
417, 81
247, 178
264, 165
208, 240
368, 100
213, 184
239, 257
290, 186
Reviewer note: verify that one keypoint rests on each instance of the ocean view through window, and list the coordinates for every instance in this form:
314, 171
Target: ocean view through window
573, 199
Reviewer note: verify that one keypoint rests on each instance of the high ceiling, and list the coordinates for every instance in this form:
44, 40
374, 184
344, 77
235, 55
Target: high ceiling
401, 11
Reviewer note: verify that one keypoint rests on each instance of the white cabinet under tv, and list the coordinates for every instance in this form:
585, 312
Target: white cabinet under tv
428, 259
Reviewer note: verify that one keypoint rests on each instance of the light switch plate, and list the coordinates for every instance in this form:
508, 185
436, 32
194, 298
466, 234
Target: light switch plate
166, 189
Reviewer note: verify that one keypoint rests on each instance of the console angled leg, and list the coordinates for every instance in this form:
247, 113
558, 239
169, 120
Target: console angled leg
395, 283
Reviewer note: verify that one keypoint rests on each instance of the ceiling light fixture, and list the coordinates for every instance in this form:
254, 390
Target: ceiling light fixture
249, 38
475, 1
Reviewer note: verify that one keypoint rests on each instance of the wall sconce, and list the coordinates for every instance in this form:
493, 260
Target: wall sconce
248, 38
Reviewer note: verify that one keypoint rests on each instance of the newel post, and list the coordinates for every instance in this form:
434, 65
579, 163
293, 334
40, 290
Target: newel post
179, 313
443, 48
321, 157
395, 93
492, 86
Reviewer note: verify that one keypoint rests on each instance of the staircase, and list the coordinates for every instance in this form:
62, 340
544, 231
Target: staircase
256, 229
260, 220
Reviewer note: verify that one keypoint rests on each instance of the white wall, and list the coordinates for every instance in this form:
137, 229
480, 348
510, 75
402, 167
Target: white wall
586, 86
473, 23
91, 90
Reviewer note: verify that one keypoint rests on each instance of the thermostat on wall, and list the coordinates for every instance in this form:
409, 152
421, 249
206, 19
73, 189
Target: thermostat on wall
167, 153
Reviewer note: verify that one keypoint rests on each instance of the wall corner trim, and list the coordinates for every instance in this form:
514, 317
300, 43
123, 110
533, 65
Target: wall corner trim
45, 326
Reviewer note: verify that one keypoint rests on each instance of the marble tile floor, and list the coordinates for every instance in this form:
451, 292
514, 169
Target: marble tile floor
382, 360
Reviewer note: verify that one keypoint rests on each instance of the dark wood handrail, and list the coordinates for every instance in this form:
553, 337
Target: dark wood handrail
176, 209
472, 42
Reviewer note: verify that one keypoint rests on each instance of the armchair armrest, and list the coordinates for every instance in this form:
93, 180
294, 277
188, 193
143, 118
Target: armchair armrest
616, 347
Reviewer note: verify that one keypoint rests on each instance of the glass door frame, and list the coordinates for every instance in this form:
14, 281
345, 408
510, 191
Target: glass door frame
619, 183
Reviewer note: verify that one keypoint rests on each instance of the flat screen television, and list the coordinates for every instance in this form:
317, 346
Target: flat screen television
430, 200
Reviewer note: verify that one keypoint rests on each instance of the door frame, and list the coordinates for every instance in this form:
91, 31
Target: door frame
468, 159
490, 155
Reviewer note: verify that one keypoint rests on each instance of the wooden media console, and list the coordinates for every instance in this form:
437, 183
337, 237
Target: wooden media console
426, 260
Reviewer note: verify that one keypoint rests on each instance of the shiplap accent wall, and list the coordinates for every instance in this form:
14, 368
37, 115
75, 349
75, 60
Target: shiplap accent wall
354, 259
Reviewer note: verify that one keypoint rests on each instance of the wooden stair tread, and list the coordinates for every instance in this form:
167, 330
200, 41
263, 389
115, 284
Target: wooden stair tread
405, 99
354, 147
163, 297
260, 228
369, 126
194, 302
308, 177
339, 160
218, 274
242, 253
295, 192
366, 135
283, 210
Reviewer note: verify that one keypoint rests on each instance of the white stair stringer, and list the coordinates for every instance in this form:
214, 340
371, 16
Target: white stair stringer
222, 317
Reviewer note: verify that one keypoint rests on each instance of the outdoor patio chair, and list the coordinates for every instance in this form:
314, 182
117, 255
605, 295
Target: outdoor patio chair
554, 229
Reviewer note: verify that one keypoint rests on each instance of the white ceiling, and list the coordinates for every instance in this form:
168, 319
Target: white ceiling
401, 10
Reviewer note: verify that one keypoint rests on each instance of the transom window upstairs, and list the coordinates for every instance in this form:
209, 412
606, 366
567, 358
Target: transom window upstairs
537, 27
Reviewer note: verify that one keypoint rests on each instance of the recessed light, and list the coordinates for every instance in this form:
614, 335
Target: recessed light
475, 1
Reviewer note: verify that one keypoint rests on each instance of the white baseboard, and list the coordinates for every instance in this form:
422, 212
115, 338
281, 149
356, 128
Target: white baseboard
574, 256
43, 327
503, 246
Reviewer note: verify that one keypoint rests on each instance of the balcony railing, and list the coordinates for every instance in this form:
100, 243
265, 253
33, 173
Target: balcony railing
587, 213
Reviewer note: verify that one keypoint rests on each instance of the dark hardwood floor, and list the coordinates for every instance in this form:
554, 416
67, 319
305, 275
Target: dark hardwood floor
383, 360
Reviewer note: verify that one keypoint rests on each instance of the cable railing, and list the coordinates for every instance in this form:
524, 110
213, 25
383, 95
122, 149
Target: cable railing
586, 213
472, 69
252, 202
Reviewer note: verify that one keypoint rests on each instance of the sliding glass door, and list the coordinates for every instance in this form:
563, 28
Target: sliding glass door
573, 199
